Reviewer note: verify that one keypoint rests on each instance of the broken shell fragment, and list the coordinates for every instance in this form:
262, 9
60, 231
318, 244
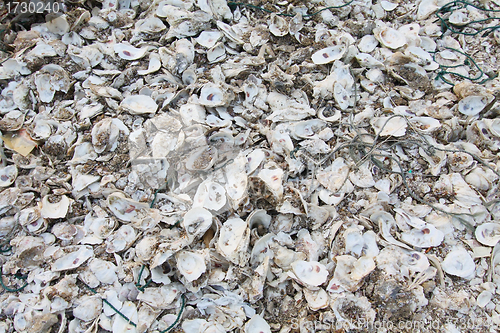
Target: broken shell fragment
278, 26
233, 241
257, 324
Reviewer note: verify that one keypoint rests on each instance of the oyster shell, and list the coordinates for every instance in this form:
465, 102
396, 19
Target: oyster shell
191, 265
139, 104
309, 272
459, 263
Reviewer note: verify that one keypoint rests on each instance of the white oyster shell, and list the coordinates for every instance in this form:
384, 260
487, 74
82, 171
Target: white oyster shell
387, 126
233, 241
139, 104
213, 95
310, 272
89, 308
208, 39
367, 44
428, 236
202, 159
197, 221
217, 53
488, 233
210, 195
55, 210
329, 54
472, 105
278, 26
8, 175
459, 263
389, 37
128, 52
138, 213
73, 259
153, 66
274, 180
190, 264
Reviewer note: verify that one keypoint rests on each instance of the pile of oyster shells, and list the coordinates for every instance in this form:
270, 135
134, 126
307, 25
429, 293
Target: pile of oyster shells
189, 165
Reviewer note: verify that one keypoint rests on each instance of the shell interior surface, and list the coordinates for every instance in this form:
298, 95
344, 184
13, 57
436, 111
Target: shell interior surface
208, 166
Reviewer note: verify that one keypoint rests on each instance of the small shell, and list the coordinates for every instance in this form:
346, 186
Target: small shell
8, 175
128, 52
310, 272
384, 126
138, 213
139, 104
104, 271
472, 105
89, 308
197, 221
73, 259
279, 26
210, 195
388, 6
308, 129
153, 66
329, 54
341, 96
389, 37
459, 263
459, 17
150, 25
191, 265
216, 53
425, 125
55, 210
367, 44
12, 121
208, 39
121, 239
274, 181
317, 299
428, 236
213, 95
233, 241
64, 231
259, 218
57, 24
488, 233
202, 159
484, 298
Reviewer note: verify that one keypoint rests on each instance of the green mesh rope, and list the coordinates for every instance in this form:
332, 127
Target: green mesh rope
13, 290
233, 4
467, 29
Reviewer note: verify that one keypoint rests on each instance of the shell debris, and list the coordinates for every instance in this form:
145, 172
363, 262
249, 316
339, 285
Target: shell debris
210, 166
